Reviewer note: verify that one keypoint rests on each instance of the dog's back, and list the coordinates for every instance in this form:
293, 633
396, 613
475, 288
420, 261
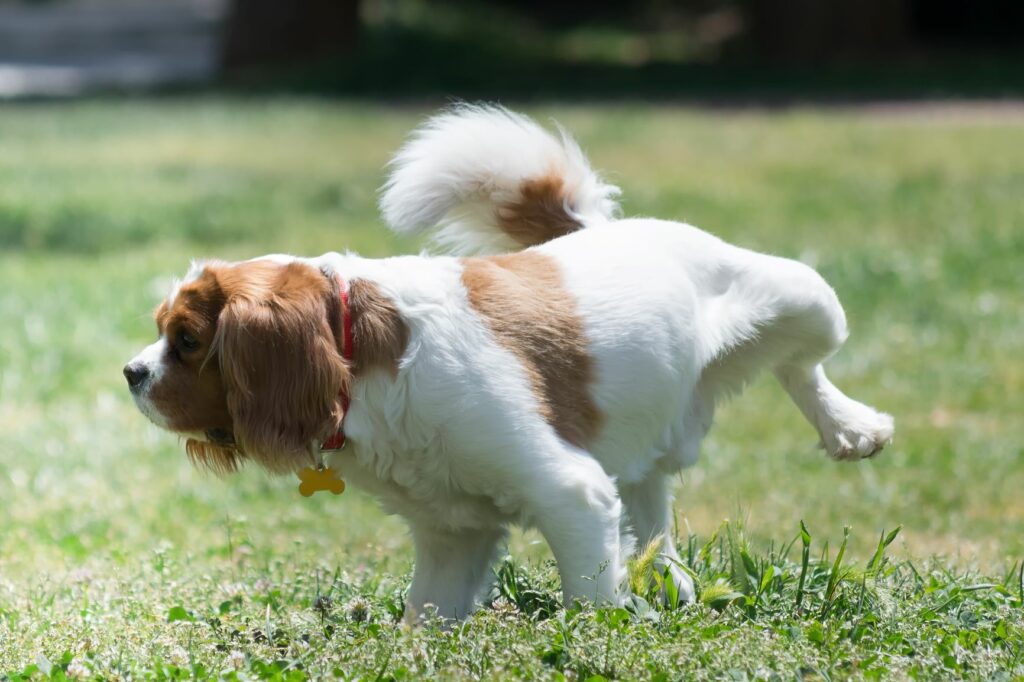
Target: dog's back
675, 318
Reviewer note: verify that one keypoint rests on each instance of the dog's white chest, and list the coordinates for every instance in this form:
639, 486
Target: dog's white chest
415, 485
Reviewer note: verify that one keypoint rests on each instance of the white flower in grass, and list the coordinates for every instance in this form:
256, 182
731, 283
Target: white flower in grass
77, 670
81, 576
503, 607
419, 653
236, 659
232, 590
358, 610
178, 657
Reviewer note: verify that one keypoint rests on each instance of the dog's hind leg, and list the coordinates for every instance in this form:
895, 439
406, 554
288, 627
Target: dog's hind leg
786, 317
649, 508
815, 329
848, 429
576, 507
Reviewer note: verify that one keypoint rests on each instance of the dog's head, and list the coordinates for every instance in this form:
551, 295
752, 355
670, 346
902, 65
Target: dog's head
248, 364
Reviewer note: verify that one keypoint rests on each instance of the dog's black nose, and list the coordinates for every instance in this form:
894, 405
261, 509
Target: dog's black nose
135, 374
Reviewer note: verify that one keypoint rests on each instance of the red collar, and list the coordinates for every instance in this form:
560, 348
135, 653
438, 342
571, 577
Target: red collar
337, 441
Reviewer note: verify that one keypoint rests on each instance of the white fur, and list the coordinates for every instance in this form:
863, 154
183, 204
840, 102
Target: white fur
153, 358
676, 320
463, 164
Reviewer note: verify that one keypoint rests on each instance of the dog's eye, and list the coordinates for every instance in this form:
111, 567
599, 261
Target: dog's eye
187, 341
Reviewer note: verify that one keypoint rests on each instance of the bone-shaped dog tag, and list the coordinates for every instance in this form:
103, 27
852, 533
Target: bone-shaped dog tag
315, 480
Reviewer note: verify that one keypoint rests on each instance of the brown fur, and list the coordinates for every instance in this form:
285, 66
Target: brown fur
190, 395
216, 458
541, 213
269, 368
522, 298
281, 364
378, 332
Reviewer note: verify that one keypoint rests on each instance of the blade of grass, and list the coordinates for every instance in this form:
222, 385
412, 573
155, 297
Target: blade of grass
833, 578
883, 542
805, 538
1020, 585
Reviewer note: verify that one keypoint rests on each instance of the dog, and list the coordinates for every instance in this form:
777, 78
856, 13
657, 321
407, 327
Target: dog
554, 370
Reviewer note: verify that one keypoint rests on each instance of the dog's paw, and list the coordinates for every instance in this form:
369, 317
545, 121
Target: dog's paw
855, 432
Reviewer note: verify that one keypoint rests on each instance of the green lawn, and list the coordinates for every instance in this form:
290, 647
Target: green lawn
118, 559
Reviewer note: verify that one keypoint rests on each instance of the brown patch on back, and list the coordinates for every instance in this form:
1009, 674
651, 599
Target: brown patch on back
540, 214
523, 300
379, 335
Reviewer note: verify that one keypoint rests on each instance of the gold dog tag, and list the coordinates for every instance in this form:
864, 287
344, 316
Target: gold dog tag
315, 480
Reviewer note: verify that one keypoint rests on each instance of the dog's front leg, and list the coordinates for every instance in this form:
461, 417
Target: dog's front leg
451, 570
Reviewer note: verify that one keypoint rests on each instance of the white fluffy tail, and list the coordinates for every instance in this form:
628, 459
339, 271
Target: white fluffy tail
489, 180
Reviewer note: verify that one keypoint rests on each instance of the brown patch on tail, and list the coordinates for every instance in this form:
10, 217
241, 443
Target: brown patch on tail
540, 214
379, 335
523, 300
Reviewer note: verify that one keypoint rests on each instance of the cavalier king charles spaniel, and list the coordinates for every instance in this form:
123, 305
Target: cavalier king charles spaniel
554, 371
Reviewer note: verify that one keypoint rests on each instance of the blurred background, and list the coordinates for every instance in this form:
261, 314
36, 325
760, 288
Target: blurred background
881, 141
758, 49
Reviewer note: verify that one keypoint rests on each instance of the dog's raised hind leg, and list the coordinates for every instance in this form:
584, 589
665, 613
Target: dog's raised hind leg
792, 322
849, 429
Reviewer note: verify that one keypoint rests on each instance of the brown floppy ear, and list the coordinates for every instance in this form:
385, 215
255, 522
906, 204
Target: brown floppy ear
378, 329
281, 367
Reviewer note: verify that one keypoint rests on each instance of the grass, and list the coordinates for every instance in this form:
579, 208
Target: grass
118, 560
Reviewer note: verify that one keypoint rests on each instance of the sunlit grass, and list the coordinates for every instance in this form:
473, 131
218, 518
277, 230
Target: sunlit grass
104, 529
